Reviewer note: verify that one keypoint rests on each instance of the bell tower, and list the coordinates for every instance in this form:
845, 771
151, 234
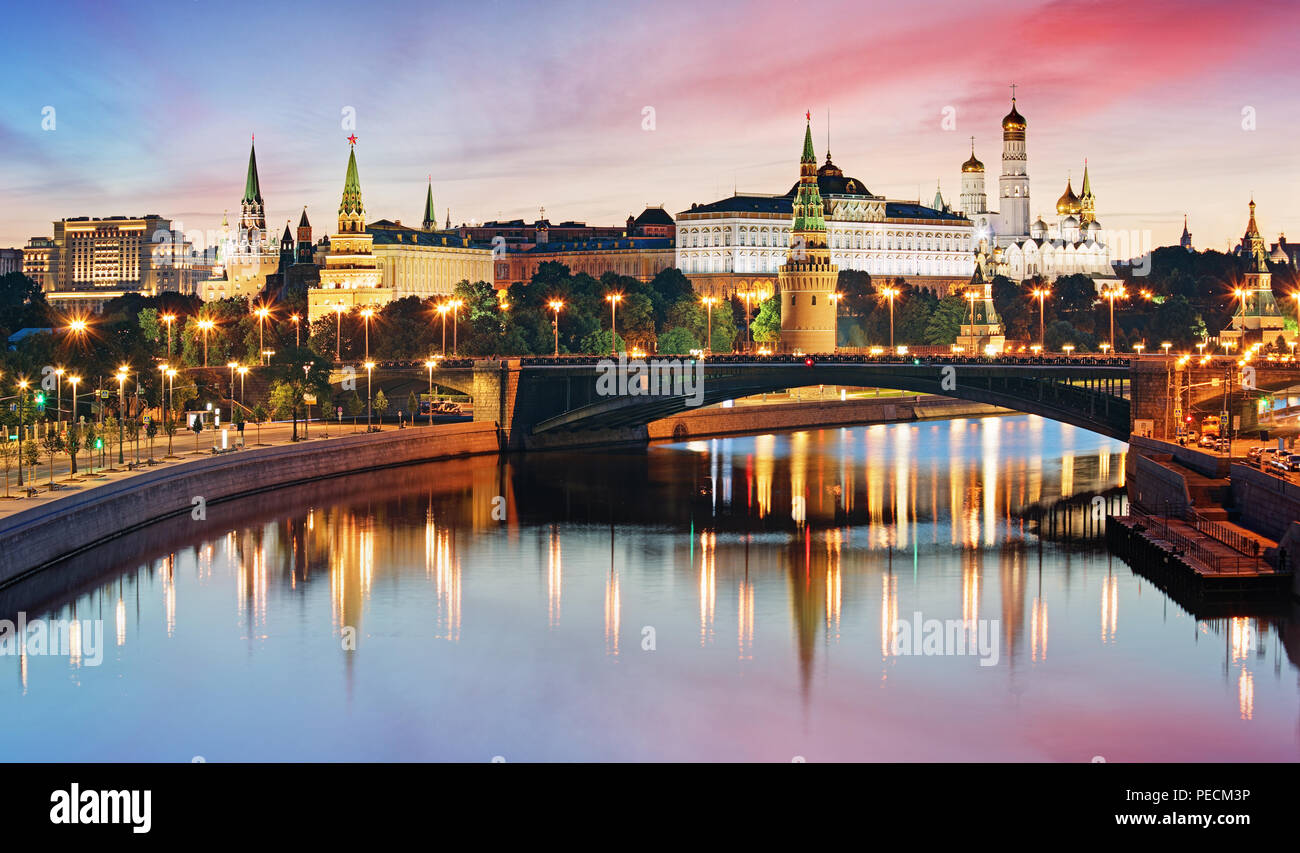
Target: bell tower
807, 279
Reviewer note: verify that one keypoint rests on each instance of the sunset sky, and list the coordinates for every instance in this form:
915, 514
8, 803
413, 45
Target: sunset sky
511, 106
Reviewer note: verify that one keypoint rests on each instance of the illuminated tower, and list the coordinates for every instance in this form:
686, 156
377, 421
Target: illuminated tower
1258, 319
1186, 240
252, 211
981, 329
430, 217
808, 278
305, 252
351, 276
1013, 185
973, 199
1087, 201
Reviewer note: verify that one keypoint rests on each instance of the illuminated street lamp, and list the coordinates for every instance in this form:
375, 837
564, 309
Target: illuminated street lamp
971, 296
1111, 294
338, 329
262, 313
708, 305
73, 380
58, 373
205, 326
1068, 348
431, 364
1137, 348
1165, 346
455, 324
1041, 293
370, 366
169, 319
613, 299
121, 409
297, 329
892, 293
242, 371
22, 401
232, 365
1105, 349
366, 314
442, 312
749, 335
555, 305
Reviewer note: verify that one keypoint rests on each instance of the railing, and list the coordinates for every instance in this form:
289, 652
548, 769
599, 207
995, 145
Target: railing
1223, 564
1221, 532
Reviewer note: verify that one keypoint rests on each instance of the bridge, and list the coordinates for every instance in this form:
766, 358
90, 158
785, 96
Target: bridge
540, 402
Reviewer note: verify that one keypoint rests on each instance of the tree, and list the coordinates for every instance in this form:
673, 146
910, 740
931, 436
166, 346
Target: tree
32, 455
380, 405
53, 444
597, 343
412, 406
354, 408
1176, 321
169, 427
259, 418
197, 427
91, 436
284, 400
677, 341
767, 325
945, 323
151, 431
72, 444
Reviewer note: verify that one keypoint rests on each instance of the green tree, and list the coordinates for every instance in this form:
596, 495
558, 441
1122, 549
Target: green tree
259, 418
72, 444
380, 405
767, 325
32, 455
151, 432
196, 426
677, 341
412, 406
53, 444
945, 323
8, 456
90, 437
355, 407
169, 427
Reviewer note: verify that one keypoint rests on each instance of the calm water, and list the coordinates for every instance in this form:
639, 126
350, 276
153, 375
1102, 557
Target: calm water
768, 573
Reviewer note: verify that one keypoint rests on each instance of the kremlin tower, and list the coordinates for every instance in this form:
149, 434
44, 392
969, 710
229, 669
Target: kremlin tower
351, 276
1013, 185
808, 278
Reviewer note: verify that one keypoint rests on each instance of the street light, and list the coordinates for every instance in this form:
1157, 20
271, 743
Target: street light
58, 372
205, 326
232, 365
555, 305
749, 336
262, 313
442, 311
306, 415
891, 293
22, 399
169, 319
121, 409
370, 366
431, 364
297, 339
1041, 293
1165, 346
708, 305
366, 314
1137, 348
242, 371
971, 296
338, 329
1068, 348
1111, 294
455, 325
73, 380
613, 299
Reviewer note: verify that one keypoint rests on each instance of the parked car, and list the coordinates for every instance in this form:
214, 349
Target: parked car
1208, 440
1223, 445
1293, 462
1255, 455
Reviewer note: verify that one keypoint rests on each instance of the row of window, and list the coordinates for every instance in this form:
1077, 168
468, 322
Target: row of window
877, 266
882, 241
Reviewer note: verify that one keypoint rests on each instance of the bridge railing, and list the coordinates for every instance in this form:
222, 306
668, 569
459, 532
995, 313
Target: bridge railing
858, 358
1225, 564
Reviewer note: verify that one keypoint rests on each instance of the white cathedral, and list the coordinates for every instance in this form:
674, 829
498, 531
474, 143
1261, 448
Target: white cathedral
1010, 244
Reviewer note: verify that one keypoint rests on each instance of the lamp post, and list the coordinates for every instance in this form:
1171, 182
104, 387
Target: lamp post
243, 371
891, 293
708, 306
22, 400
171, 385
121, 410
262, 313
366, 314
205, 326
430, 364
555, 305
1068, 348
971, 296
442, 312
1041, 293
749, 337
1137, 348
58, 373
613, 299
370, 366
73, 380
306, 407
455, 325
232, 365
1111, 294
297, 330
338, 329
169, 319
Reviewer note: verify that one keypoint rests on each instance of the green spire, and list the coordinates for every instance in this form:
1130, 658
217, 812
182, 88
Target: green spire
430, 215
1087, 184
808, 155
351, 188
252, 187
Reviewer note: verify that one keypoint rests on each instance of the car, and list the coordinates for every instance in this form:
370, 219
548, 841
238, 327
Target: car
1292, 462
1223, 445
1255, 456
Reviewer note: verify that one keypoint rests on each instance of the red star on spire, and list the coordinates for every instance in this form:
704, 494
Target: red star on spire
352, 140
808, 115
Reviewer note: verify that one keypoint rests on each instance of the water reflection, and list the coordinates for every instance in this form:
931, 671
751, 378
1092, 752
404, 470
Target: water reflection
484, 585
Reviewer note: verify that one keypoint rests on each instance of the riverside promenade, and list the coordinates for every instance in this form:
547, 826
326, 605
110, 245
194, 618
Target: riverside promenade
37, 532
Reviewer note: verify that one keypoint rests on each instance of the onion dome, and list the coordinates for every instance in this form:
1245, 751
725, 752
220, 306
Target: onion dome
1013, 121
1068, 204
973, 164
1039, 227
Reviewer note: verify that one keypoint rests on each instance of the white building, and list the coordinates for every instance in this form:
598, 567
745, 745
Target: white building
738, 244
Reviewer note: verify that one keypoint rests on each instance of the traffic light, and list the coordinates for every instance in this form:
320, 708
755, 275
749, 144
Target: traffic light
99, 444
809, 362
40, 401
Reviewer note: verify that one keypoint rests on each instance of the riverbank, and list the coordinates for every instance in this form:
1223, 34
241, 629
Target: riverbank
66, 525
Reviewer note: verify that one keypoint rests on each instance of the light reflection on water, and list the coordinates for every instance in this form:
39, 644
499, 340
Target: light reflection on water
729, 599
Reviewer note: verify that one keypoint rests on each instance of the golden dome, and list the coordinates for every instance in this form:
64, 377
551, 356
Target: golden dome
1068, 204
972, 165
1014, 120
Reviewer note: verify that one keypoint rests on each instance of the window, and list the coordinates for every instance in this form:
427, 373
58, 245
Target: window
814, 299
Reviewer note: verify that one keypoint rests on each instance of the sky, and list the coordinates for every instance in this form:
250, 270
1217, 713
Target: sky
141, 107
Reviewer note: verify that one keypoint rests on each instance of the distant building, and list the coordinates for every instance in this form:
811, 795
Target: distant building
641, 258
246, 255
11, 260
1186, 239
1258, 318
516, 232
89, 261
653, 222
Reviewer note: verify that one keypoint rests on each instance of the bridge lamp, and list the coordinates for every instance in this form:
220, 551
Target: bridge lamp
338, 328
1105, 348
58, 373
1137, 348
242, 371
431, 364
1165, 346
890, 293
1111, 294
1041, 293
613, 299
442, 312
971, 296
555, 305
1036, 349
455, 324
297, 329
1068, 348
